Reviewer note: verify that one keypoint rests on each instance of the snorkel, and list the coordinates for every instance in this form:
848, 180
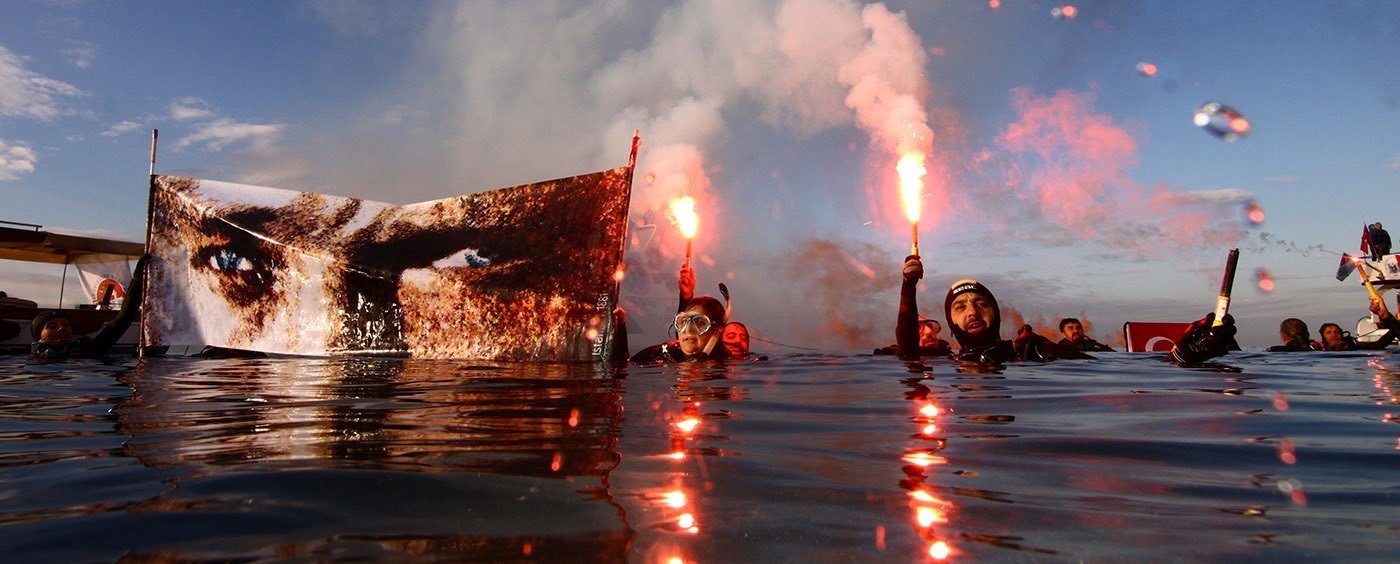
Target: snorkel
718, 336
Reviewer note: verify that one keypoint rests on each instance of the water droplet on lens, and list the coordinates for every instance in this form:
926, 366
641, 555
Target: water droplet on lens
1065, 12
1265, 280
1253, 213
1147, 69
1222, 121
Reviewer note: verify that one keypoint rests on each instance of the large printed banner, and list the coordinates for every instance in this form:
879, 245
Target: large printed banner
522, 273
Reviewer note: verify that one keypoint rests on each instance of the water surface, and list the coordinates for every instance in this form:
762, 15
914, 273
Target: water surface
798, 458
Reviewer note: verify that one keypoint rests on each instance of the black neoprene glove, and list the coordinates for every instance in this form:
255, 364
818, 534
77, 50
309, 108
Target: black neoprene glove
1033, 346
1202, 342
913, 269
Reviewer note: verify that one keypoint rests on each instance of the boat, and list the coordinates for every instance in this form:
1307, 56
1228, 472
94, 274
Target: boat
103, 268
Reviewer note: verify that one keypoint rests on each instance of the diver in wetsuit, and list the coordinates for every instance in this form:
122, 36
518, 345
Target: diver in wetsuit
53, 331
699, 327
975, 321
911, 333
1296, 337
974, 318
1073, 330
1334, 339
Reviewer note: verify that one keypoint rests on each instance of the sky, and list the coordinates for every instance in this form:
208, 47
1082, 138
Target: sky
1059, 174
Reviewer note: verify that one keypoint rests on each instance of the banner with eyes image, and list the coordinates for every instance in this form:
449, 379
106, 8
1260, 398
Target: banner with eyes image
522, 273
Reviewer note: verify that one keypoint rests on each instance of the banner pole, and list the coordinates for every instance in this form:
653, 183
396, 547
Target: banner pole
632, 159
141, 342
155, 135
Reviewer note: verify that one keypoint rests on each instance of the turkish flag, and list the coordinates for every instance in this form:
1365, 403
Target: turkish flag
1153, 336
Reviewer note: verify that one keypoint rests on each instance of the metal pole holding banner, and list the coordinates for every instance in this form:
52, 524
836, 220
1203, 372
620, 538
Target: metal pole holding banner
150, 213
155, 135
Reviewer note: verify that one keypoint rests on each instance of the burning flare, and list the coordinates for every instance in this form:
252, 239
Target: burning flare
911, 182
683, 215
911, 187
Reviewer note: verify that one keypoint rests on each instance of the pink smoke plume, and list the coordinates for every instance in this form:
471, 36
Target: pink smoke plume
1081, 181
887, 93
670, 172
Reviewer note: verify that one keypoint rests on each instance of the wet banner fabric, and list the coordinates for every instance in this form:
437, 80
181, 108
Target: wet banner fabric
522, 273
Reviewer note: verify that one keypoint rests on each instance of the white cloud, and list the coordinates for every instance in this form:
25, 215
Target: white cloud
24, 93
82, 54
1222, 196
1394, 163
394, 115
120, 128
220, 133
350, 17
190, 108
15, 160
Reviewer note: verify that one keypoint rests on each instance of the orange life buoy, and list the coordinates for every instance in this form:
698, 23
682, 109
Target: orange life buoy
118, 292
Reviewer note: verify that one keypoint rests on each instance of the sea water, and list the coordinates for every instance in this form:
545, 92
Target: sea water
803, 458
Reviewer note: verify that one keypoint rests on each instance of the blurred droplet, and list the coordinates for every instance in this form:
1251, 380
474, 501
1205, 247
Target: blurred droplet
1222, 121
1065, 12
1147, 69
1253, 213
1265, 280
993, 4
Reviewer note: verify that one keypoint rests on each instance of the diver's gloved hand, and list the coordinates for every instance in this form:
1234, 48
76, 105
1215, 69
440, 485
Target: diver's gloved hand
1030, 345
1383, 315
1201, 341
913, 269
686, 281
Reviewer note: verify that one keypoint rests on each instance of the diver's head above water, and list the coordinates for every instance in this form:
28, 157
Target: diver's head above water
973, 314
53, 336
699, 325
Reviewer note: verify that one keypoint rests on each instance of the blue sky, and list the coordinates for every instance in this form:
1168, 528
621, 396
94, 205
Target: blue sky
411, 101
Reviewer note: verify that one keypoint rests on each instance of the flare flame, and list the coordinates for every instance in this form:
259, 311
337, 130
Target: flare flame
911, 182
683, 215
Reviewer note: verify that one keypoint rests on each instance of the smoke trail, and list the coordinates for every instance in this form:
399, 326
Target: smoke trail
1080, 180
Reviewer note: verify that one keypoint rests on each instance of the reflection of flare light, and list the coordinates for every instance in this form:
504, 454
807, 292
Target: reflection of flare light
688, 424
927, 516
674, 498
939, 550
929, 410
687, 523
924, 459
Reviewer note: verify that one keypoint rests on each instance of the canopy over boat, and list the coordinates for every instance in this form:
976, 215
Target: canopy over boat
35, 245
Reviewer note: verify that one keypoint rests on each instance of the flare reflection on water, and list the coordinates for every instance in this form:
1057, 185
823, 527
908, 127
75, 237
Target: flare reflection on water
930, 511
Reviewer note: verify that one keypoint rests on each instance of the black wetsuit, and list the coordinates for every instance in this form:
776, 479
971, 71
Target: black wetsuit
1296, 345
1032, 348
1085, 345
941, 349
1349, 343
670, 351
